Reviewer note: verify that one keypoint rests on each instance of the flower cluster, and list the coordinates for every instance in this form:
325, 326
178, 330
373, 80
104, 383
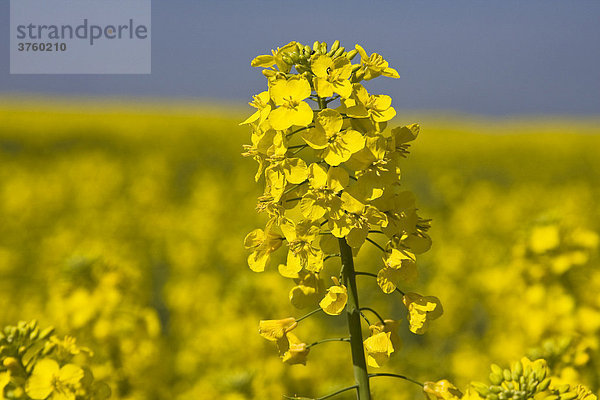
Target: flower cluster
333, 172
37, 365
527, 379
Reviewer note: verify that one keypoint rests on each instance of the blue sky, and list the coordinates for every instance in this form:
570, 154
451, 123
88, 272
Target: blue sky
539, 57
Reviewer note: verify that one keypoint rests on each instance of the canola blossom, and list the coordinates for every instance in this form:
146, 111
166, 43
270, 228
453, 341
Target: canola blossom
332, 174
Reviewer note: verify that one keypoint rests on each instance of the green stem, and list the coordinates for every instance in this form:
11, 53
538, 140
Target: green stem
397, 376
352, 311
341, 339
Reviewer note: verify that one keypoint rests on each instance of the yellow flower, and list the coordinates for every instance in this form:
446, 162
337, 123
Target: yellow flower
307, 291
399, 266
267, 61
379, 348
441, 390
49, 381
584, 393
304, 251
292, 350
374, 65
363, 105
281, 172
388, 326
421, 310
262, 243
358, 217
275, 329
335, 300
331, 75
337, 146
288, 95
261, 103
4, 380
323, 189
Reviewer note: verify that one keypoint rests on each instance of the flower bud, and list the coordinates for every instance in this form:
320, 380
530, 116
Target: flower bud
338, 52
568, 396
495, 378
335, 45
543, 385
323, 48
351, 54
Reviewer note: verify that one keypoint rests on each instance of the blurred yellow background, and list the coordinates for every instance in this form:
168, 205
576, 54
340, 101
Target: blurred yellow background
122, 224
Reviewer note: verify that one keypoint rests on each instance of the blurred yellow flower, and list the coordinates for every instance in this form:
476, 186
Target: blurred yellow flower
441, 390
48, 379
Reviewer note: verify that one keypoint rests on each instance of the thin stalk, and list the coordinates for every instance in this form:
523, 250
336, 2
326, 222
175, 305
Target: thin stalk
341, 339
374, 312
327, 396
375, 244
309, 314
358, 273
397, 376
362, 314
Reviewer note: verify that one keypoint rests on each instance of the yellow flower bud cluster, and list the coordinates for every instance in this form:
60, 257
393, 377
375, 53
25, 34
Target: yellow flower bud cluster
36, 364
528, 379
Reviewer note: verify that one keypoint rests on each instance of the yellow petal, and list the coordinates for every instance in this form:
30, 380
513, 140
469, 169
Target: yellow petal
264, 61
317, 176
303, 114
335, 300
39, 384
275, 329
323, 87
70, 374
343, 88
295, 170
298, 88
390, 72
382, 116
320, 64
315, 138
330, 120
282, 118
337, 179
